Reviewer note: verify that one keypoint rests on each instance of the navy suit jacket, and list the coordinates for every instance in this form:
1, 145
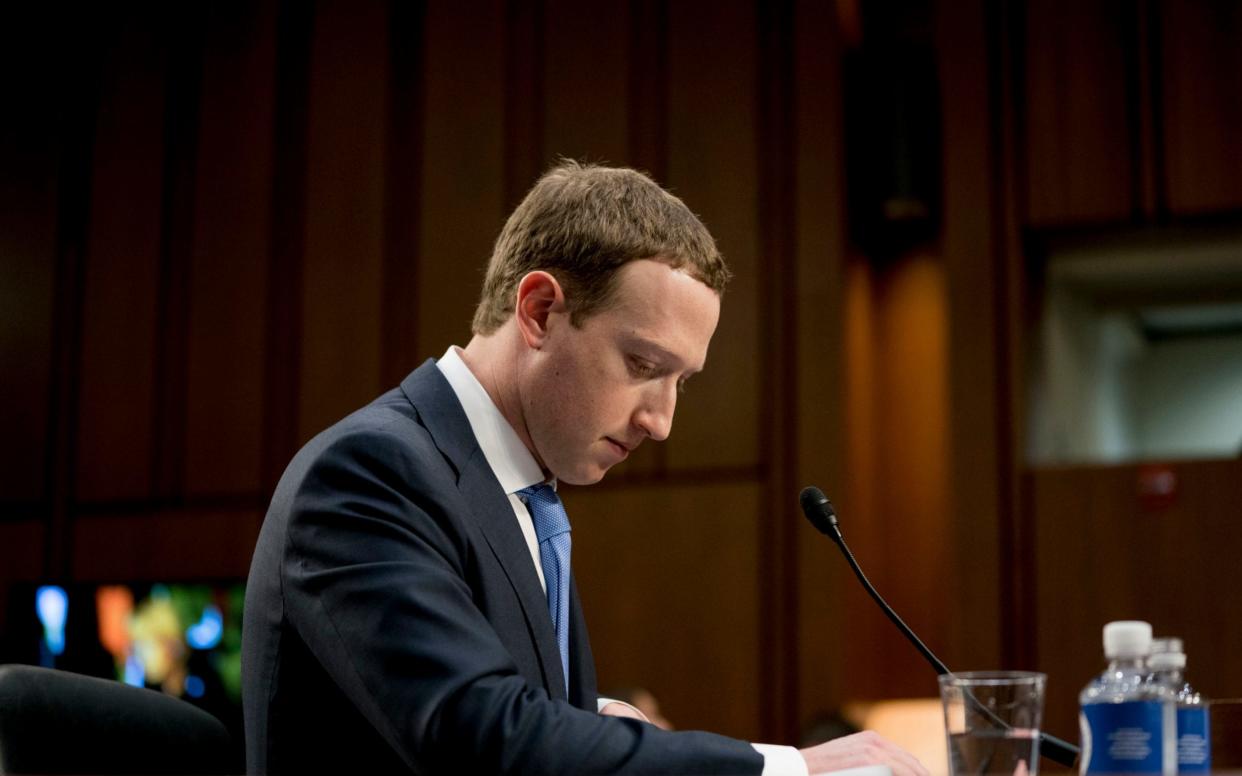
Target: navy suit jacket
394, 621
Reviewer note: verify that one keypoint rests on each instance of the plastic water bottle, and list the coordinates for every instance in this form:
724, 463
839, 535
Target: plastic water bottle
1194, 744
1128, 722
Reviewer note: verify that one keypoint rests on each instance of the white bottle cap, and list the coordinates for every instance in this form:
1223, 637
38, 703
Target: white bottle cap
1164, 661
1166, 644
1127, 638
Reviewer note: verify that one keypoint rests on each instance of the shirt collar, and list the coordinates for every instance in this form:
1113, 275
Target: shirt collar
510, 461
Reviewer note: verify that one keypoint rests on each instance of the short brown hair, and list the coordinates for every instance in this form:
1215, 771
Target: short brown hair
581, 223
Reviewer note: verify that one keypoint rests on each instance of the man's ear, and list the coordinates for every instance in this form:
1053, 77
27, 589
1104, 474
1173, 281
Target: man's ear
538, 297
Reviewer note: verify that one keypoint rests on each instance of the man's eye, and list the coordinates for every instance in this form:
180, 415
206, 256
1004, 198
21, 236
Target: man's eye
641, 367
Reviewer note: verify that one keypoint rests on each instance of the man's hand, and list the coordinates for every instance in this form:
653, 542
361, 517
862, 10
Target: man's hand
619, 709
865, 748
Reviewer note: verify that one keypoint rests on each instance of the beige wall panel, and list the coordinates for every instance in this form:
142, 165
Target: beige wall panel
225, 362
163, 546
343, 270
119, 313
463, 203
713, 167
669, 583
586, 60
1202, 90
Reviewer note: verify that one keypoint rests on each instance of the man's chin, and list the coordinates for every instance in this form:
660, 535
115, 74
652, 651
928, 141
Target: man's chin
585, 476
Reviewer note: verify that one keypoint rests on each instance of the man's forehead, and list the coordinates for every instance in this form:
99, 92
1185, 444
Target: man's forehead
667, 311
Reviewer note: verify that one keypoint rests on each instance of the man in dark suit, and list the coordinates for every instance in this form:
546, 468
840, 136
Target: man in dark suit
410, 606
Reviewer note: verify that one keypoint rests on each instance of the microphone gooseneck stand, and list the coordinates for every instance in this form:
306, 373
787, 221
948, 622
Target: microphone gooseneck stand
818, 510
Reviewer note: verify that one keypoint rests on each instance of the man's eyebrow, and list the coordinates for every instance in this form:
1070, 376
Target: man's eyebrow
664, 353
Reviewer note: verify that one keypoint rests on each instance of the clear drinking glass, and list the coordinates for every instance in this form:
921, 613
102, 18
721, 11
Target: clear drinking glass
992, 720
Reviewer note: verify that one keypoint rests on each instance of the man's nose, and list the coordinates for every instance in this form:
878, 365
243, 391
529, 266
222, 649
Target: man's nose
655, 415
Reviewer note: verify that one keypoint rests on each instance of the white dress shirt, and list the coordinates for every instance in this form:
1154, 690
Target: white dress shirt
515, 468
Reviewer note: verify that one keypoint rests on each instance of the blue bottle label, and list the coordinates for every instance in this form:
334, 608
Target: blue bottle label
1123, 737
1194, 743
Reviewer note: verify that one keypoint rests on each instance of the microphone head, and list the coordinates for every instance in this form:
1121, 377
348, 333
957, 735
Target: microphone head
818, 509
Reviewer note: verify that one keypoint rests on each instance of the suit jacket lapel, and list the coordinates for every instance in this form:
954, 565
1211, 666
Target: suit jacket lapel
494, 514
581, 662
444, 418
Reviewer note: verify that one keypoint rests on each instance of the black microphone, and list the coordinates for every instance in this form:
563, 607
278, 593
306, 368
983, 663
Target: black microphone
818, 509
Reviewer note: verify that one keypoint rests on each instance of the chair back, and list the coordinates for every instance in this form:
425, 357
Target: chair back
55, 722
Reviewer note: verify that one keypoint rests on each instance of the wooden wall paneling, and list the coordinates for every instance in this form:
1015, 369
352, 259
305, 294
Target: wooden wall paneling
1197, 544
713, 166
586, 61
403, 194
463, 170
820, 262
117, 391
1078, 142
777, 175
164, 545
21, 557
29, 154
1201, 86
1073, 518
970, 608
856, 497
75, 136
1102, 556
588, 52
648, 86
282, 337
1146, 121
1015, 527
667, 579
894, 512
524, 29
228, 273
343, 270
182, 29
913, 499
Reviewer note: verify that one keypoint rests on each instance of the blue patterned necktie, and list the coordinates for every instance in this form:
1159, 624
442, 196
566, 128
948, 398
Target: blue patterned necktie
552, 530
